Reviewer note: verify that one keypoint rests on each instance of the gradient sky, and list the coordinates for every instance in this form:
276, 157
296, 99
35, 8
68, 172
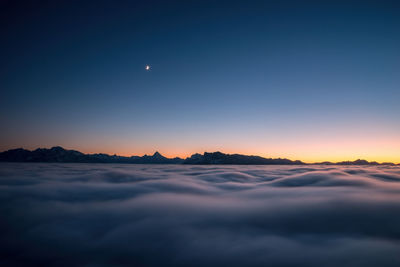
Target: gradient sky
308, 80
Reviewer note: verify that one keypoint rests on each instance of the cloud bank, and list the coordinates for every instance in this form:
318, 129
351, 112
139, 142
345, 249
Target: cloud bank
178, 215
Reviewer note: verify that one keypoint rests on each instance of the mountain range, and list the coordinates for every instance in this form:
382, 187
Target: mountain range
59, 154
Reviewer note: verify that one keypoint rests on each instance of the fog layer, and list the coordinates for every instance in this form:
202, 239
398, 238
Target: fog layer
177, 215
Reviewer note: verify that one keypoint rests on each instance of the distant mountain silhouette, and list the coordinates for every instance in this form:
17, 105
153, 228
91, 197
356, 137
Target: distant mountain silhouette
59, 154
357, 162
221, 158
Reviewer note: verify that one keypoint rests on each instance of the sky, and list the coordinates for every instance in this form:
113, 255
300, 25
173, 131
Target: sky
307, 80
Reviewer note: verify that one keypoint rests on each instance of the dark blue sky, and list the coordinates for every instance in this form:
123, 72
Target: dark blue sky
301, 79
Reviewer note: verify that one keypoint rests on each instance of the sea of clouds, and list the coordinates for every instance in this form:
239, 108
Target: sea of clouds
178, 215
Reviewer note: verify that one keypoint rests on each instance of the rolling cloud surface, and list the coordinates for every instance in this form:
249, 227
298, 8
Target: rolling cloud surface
178, 215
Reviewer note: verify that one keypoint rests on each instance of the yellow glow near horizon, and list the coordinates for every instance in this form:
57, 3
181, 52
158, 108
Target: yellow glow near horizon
379, 152
308, 156
307, 149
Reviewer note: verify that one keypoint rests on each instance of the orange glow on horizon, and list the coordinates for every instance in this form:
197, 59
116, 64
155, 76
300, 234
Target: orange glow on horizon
308, 156
312, 154
309, 149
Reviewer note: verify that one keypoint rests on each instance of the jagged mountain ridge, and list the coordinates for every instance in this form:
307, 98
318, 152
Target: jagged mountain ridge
59, 154
221, 158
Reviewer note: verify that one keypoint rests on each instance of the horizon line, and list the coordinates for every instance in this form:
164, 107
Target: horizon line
188, 156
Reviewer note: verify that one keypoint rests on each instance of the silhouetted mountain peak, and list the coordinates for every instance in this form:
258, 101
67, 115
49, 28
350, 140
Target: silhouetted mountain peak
57, 148
59, 154
157, 155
